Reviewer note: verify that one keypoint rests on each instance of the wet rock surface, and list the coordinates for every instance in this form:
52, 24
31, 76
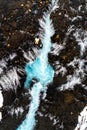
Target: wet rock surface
19, 26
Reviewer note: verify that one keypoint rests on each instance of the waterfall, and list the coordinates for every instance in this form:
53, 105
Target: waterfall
40, 69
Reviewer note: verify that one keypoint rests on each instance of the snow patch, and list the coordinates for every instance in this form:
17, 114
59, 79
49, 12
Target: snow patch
0, 116
77, 77
1, 104
3, 65
16, 111
81, 38
82, 120
12, 56
30, 55
10, 80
